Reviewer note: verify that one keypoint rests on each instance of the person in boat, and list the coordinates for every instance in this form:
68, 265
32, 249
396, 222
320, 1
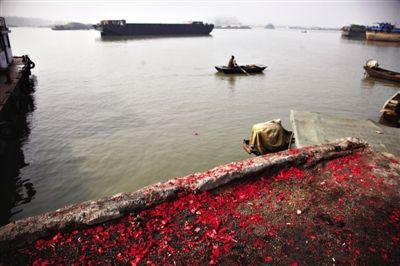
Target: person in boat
232, 62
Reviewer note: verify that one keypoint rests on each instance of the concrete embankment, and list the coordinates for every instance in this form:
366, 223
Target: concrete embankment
311, 128
336, 202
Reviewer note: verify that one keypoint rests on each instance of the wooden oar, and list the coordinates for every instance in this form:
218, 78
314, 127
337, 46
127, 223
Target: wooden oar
244, 71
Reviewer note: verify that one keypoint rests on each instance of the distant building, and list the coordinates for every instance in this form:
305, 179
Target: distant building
270, 26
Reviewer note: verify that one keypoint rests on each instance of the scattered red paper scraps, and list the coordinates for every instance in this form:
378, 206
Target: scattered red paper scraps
349, 214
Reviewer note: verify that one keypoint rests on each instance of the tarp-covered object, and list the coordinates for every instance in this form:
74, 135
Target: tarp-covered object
371, 63
269, 137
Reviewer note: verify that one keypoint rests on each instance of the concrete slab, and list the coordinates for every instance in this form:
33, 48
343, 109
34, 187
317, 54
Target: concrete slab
314, 128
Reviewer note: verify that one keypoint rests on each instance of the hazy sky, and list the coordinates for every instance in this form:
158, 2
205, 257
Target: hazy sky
307, 13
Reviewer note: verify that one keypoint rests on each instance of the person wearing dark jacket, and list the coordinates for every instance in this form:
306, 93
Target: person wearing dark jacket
232, 62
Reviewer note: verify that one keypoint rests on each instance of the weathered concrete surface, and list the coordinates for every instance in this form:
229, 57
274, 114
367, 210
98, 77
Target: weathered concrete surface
334, 204
312, 128
26, 231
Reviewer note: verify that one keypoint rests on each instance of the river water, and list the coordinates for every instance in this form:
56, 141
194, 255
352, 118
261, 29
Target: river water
116, 115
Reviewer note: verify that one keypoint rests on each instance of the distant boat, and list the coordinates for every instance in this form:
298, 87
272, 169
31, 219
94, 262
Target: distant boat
383, 32
269, 26
121, 28
238, 70
354, 31
303, 31
373, 70
233, 27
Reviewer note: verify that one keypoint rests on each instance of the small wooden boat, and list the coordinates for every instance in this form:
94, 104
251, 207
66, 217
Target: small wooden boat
391, 111
241, 69
372, 68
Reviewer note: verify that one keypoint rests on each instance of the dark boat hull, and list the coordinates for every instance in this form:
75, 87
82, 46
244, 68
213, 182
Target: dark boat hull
238, 70
378, 72
138, 29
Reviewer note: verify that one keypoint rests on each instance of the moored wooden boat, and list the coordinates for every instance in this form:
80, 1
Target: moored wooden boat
391, 111
372, 68
239, 69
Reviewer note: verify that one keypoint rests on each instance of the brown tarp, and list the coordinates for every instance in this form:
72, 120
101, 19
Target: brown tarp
269, 137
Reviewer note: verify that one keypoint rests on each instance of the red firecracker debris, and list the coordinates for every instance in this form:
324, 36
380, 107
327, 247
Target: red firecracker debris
349, 214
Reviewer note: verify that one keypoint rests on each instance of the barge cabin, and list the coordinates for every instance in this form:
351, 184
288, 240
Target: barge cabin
354, 31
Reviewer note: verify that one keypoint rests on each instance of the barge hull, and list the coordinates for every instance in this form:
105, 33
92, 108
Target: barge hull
382, 36
155, 29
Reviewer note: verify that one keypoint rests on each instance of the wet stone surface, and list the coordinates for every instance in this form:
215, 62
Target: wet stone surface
342, 211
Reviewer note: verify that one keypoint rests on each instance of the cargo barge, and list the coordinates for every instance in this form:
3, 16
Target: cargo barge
383, 32
121, 28
354, 32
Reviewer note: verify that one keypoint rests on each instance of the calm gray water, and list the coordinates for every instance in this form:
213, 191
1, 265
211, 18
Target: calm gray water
118, 115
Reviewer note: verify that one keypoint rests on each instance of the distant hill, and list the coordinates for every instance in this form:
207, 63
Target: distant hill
73, 26
29, 22
313, 28
223, 21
